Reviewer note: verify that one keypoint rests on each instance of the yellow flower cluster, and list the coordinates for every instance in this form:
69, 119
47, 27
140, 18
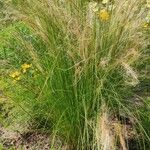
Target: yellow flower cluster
25, 67
104, 15
16, 75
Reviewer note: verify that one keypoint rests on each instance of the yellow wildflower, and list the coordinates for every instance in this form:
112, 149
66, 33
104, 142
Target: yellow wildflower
25, 67
15, 74
104, 15
17, 78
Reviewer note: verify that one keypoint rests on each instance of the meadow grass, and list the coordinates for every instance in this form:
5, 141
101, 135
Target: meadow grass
79, 68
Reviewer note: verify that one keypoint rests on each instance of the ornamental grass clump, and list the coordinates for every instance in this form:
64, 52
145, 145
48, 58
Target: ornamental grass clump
85, 61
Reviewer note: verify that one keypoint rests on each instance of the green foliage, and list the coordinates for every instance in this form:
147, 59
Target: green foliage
80, 63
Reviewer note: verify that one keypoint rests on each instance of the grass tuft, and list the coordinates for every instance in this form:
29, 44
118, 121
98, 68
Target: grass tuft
84, 57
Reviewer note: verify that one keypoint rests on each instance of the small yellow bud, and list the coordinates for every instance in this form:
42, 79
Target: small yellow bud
25, 67
104, 15
14, 74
